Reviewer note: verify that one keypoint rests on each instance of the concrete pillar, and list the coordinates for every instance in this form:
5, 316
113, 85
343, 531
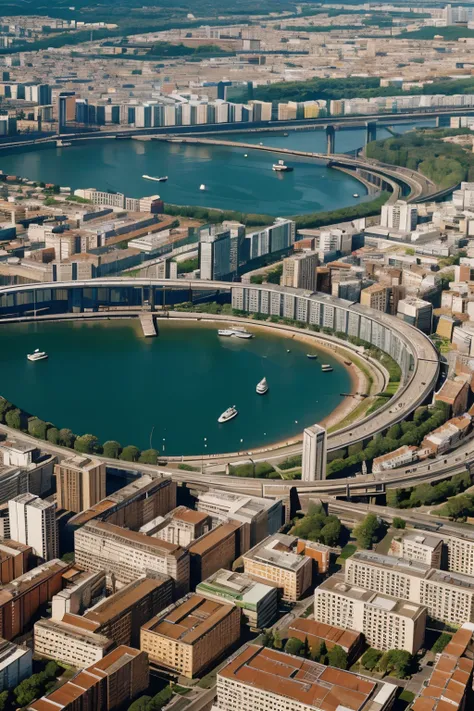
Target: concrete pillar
370, 131
331, 139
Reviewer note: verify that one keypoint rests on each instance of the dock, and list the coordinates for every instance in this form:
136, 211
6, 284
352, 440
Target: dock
148, 325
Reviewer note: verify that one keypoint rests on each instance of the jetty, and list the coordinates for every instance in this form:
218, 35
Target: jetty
148, 325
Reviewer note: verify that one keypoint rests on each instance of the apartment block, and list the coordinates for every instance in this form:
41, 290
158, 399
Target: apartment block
107, 685
259, 679
276, 561
21, 599
14, 559
33, 468
67, 643
299, 271
181, 526
315, 632
265, 516
80, 588
375, 296
398, 458
448, 597
16, 664
418, 546
258, 602
80, 483
320, 553
218, 549
126, 555
33, 523
386, 622
190, 635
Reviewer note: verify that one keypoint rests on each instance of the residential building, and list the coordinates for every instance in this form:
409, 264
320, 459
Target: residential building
399, 215
416, 312
418, 546
314, 454
80, 589
452, 432
456, 555
80, 483
14, 559
16, 664
34, 473
258, 602
276, 238
276, 561
215, 255
181, 526
188, 636
455, 394
320, 553
315, 632
448, 597
265, 516
107, 685
259, 679
126, 555
218, 548
67, 643
385, 621
376, 297
33, 523
398, 458
299, 271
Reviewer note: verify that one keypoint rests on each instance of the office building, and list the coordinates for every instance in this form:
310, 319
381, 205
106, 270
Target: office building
384, 620
265, 516
418, 546
14, 559
416, 312
314, 454
259, 679
80, 483
315, 632
448, 597
399, 216
258, 602
375, 296
276, 561
126, 555
67, 643
299, 271
188, 636
181, 526
25, 468
276, 238
215, 255
16, 664
33, 523
107, 685
218, 548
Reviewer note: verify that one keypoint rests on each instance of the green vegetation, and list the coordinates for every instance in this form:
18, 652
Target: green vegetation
371, 658
155, 703
446, 164
188, 265
337, 657
215, 216
459, 508
443, 640
369, 531
291, 462
304, 29
317, 525
395, 662
76, 198
348, 550
398, 522
187, 468
259, 470
37, 684
167, 49
450, 34
428, 495
343, 214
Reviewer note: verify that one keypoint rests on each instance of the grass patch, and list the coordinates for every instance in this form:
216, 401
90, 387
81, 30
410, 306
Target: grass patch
188, 468
291, 462
348, 550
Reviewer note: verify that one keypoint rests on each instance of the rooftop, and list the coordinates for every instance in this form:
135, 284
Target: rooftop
154, 546
234, 586
75, 633
335, 635
278, 550
124, 599
210, 540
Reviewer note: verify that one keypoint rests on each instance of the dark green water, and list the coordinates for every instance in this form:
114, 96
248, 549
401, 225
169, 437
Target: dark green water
106, 379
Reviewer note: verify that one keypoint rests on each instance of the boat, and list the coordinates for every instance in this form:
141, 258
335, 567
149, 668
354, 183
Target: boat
237, 332
262, 387
327, 368
288, 350
225, 332
228, 414
281, 167
63, 144
202, 187
260, 144
286, 135
311, 356
355, 195
163, 179
37, 355
347, 362
246, 155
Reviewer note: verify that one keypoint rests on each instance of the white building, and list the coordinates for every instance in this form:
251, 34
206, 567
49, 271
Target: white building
399, 216
33, 522
16, 664
299, 271
314, 454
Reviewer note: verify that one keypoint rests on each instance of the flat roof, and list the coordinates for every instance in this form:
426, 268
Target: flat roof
237, 586
155, 546
127, 597
211, 539
312, 629
278, 550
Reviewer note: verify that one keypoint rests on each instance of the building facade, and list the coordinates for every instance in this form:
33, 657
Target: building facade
80, 483
314, 454
33, 523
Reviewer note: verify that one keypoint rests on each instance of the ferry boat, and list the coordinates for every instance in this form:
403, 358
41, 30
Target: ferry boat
228, 414
163, 179
62, 144
281, 167
37, 355
225, 332
237, 332
262, 387
327, 368
311, 356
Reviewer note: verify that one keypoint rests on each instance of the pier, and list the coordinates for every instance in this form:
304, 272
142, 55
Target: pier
147, 323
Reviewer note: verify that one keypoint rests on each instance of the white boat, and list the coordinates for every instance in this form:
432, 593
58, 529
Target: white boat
63, 144
262, 387
157, 180
229, 414
281, 167
326, 368
225, 332
37, 355
237, 332
311, 356
202, 187
246, 155
355, 195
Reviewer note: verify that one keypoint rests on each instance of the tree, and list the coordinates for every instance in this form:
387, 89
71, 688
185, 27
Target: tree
130, 454
397, 662
371, 658
149, 456
368, 531
86, 444
52, 669
394, 497
37, 428
319, 653
141, 704
331, 532
5, 405
398, 522
293, 646
66, 438
13, 419
441, 643
52, 435
337, 657
3, 700
277, 643
112, 449
305, 652
267, 638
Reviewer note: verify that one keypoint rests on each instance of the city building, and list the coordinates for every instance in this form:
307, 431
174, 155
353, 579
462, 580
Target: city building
16, 664
320, 553
398, 458
416, 312
188, 636
33, 523
67, 643
107, 685
80, 483
181, 526
376, 297
218, 548
259, 679
126, 555
26, 469
455, 394
265, 516
258, 602
80, 588
314, 454
418, 546
299, 271
14, 559
448, 597
385, 621
215, 255
399, 215
276, 561
315, 632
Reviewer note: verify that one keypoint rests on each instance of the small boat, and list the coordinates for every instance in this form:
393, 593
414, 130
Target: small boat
355, 195
288, 350
347, 362
157, 180
286, 135
37, 355
262, 387
238, 332
62, 144
311, 356
246, 155
260, 144
281, 167
228, 414
202, 187
225, 332
327, 368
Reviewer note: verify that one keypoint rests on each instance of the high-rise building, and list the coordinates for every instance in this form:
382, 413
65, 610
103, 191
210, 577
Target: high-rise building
80, 483
16, 664
14, 559
33, 522
375, 296
419, 546
314, 454
181, 526
416, 312
399, 216
299, 271
79, 646
215, 261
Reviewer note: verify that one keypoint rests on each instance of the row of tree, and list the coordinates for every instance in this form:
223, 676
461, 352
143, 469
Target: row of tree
428, 494
317, 525
32, 688
17, 419
334, 657
396, 662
